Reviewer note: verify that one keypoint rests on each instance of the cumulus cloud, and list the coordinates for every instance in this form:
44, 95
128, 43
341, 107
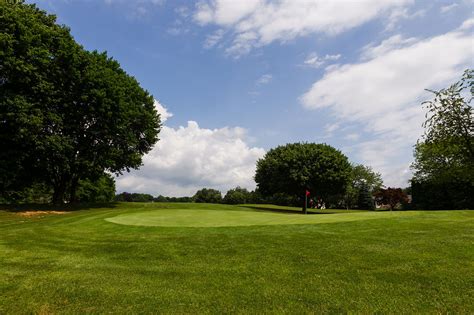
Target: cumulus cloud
163, 111
189, 158
383, 92
254, 23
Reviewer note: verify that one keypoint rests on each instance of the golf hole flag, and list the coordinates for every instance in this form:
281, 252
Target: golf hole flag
307, 193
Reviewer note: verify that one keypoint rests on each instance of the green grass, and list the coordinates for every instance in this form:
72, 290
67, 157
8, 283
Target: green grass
221, 259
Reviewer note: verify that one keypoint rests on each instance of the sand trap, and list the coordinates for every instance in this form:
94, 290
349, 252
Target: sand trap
38, 213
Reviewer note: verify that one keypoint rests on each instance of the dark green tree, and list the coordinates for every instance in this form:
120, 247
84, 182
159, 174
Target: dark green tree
208, 195
294, 168
364, 198
66, 114
444, 156
236, 196
100, 190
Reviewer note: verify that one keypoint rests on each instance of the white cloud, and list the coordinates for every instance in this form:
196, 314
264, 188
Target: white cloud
255, 23
189, 158
314, 61
396, 41
264, 79
163, 111
352, 136
448, 7
467, 25
384, 93
213, 39
401, 13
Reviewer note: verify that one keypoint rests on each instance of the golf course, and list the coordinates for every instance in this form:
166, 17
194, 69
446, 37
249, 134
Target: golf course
214, 258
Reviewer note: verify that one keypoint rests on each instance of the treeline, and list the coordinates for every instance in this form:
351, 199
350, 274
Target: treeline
233, 196
97, 190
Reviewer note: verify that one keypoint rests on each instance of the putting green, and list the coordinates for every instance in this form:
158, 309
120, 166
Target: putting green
220, 218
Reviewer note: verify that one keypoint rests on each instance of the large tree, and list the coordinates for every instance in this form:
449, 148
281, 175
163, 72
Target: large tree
295, 168
66, 114
444, 156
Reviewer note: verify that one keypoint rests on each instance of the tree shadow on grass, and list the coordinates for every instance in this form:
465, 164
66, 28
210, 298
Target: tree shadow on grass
50, 207
288, 211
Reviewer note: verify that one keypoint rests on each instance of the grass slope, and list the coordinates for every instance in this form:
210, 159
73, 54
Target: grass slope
81, 262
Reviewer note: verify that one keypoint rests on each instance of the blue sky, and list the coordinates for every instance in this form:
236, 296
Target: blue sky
233, 79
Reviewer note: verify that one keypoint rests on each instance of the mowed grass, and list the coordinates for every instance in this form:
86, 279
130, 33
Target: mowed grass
241, 259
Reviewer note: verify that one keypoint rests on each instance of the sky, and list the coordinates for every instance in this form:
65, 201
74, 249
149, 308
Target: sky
233, 79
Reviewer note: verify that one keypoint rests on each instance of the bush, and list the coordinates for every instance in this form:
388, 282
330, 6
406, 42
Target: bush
236, 196
208, 195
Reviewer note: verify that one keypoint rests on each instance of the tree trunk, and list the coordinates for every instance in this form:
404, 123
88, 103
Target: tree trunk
73, 190
59, 192
60, 188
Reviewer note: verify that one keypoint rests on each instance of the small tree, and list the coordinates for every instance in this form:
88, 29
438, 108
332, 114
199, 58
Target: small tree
208, 195
364, 199
391, 197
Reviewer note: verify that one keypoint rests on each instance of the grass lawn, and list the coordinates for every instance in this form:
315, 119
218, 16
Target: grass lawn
200, 258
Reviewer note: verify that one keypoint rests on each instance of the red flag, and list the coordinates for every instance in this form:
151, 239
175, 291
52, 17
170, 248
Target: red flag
307, 193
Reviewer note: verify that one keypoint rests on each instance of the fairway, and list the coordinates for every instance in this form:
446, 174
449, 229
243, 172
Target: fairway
214, 218
235, 259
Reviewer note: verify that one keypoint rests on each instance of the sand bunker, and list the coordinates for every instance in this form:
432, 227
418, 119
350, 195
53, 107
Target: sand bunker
38, 213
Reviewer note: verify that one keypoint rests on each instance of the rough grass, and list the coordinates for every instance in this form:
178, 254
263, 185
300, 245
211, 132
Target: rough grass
79, 262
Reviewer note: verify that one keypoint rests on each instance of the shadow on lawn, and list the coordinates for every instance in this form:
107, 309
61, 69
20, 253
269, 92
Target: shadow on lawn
278, 210
51, 207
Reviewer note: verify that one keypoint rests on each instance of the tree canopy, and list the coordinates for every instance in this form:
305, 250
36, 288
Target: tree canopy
208, 195
444, 156
296, 167
363, 180
236, 196
66, 114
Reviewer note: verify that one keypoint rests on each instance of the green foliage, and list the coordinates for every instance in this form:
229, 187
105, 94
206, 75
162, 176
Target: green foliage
100, 190
455, 194
208, 195
361, 176
37, 193
66, 114
161, 198
293, 168
444, 157
364, 198
134, 197
236, 196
